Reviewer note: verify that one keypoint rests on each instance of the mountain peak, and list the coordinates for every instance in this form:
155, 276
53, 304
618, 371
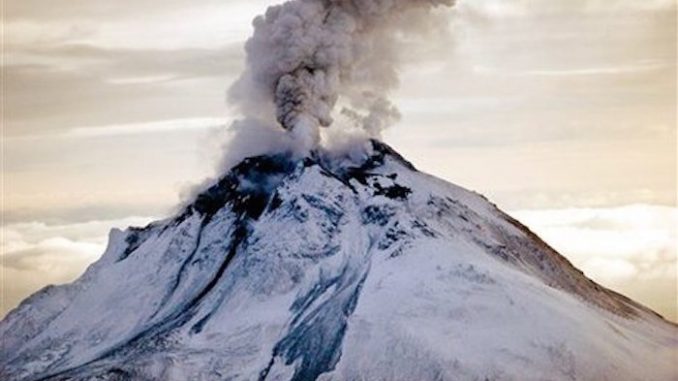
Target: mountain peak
249, 185
305, 268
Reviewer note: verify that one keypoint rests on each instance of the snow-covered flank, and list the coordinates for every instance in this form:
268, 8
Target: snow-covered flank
309, 269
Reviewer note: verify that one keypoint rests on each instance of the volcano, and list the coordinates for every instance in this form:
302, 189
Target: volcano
313, 268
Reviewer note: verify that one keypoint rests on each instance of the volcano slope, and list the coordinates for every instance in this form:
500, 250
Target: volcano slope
313, 269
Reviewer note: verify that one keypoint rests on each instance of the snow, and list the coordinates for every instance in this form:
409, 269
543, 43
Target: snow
468, 317
372, 273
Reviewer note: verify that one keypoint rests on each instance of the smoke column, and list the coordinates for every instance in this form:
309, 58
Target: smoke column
308, 57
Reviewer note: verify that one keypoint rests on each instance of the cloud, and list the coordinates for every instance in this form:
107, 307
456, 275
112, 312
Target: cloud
625, 248
146, 128
55, 255
105, 61
118, 130
119, 25
36, 254
636, 68
107, 171
55, 87
521, 8
617, 269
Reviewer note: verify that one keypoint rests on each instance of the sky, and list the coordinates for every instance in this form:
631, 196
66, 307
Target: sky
562, 112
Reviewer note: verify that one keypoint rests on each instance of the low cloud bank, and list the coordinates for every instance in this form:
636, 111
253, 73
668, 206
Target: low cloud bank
631, 249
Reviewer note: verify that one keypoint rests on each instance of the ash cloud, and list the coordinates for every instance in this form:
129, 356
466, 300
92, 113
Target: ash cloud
326, 63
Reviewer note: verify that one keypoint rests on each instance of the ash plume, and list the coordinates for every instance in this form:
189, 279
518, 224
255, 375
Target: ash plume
308, 58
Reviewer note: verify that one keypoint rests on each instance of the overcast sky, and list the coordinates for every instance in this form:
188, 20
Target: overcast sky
563, 112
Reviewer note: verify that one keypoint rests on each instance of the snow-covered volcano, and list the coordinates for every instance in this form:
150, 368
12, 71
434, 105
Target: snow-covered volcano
305, 269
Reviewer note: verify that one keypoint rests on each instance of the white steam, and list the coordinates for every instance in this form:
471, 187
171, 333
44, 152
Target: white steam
321, 63
310, 62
